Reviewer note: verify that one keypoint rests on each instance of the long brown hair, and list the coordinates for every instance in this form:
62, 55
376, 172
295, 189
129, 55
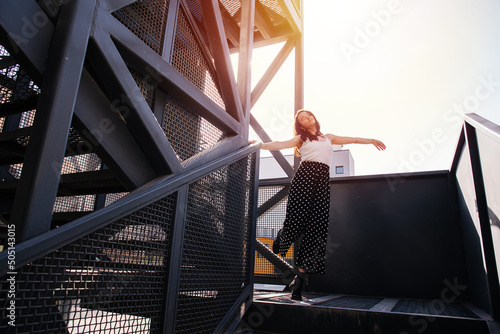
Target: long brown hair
304, 134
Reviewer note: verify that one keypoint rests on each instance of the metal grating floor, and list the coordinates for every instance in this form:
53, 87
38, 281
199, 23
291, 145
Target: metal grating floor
375, 304
434, 308
362, 303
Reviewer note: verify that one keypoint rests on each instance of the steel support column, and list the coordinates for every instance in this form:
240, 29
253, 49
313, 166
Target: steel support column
36, 193
245, 59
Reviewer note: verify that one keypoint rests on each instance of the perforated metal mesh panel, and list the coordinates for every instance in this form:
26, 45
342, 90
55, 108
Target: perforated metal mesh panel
215, 263
268, 224
110, 281
188, 133
191, 62
146, 86
110, 198
147, 20
233, 8
77, 161
275, 14
84, 203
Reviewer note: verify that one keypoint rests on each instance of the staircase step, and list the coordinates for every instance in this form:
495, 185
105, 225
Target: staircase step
83, 183
13, 145
14, 134
12, 108
329, 313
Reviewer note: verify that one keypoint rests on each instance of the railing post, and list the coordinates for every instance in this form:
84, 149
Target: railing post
174, 271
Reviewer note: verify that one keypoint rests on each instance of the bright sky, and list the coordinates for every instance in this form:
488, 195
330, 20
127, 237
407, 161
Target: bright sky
401, 71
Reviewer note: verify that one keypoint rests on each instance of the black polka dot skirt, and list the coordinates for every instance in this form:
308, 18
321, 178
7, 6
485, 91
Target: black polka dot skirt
307, 215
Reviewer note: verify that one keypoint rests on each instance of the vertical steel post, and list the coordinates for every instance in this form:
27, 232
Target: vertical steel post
244, 61
174, 272
299, 73
484, 221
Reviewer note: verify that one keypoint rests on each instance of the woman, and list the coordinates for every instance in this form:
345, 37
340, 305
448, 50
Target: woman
308, 203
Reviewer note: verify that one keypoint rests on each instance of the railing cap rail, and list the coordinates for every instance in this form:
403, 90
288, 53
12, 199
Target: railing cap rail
484, 126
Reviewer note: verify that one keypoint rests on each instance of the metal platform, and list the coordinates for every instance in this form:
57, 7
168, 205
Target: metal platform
275, 312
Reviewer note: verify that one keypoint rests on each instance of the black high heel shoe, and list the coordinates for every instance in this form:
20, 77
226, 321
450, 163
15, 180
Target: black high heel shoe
296, 286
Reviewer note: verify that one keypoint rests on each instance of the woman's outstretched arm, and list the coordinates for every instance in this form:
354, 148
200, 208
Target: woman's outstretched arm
341, 140
280, 145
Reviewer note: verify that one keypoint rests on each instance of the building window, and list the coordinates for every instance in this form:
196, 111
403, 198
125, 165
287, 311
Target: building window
339, 170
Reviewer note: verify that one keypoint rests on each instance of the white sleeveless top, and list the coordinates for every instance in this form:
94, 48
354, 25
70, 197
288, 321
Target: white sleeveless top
320, 150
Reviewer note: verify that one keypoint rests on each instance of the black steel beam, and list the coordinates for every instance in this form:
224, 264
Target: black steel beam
271, 71
245, 60
174, 270
299, 65
220, 51
231, 28
90, 183
235, 313
133, 107
458, 152
50, 7
292, 16
11, 153
287, 269
35, 196
261, 21
170, 28
270, 203
201, 38
83, 183
484, 221
110, 137
13, 134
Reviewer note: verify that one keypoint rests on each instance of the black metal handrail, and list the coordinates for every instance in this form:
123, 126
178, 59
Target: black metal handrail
474, 124
45, 243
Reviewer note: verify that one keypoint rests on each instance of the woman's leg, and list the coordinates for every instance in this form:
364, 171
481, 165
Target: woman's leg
312, 249
298, 203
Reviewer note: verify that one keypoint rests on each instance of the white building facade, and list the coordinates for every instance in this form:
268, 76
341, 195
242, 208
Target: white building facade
342, 165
